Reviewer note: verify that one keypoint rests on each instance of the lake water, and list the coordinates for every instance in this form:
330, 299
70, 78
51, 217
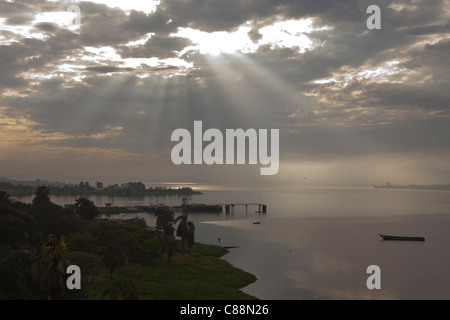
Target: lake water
317, 242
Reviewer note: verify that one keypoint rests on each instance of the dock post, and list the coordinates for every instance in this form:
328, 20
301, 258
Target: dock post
264, 209
246, 207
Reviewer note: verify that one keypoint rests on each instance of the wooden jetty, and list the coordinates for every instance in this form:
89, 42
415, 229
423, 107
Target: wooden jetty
229, 207
219, 208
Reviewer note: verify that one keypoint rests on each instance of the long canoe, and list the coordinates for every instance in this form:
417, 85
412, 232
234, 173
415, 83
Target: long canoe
386, 237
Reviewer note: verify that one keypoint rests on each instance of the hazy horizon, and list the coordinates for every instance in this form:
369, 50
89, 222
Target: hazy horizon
221, 187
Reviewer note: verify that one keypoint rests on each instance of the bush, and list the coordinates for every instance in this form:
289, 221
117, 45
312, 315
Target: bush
146, 251
52, 219
82, 242
16, 281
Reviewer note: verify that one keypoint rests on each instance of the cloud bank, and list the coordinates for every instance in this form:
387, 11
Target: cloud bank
99, 100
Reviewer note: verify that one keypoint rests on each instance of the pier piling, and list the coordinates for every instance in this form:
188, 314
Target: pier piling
229, 207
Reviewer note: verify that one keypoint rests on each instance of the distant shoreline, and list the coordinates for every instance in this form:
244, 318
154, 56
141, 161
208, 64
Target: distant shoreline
26, 188
445, 187
116, 193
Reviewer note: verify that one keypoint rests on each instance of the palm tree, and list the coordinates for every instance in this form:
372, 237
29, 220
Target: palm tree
52, 267
182, 229
191, 233
185, 230
164, 220
164, 217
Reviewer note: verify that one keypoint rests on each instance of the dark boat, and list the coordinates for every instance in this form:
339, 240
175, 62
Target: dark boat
256, 222
386, 237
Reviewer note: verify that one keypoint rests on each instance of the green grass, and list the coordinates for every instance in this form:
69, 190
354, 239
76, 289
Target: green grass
201, 274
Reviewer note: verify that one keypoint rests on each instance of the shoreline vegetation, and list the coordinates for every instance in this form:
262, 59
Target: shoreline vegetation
388, 185
84, 188
119, 260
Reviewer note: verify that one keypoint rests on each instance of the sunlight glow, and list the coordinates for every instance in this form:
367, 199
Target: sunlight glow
62, 19
390, 71
109, 56
16, 32
147, 6
31, 135
141, 41
281, 34
288, 34
215, 43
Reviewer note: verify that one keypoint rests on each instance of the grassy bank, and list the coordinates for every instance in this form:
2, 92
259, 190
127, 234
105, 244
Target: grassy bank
39, 240
201, 274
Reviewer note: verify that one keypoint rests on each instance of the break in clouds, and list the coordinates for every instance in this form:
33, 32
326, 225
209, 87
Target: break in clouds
99, 100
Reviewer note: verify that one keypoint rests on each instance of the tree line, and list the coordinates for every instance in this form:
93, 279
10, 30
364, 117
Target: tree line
39, 240
85, 188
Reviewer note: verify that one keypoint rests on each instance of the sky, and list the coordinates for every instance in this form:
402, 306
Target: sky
96, 96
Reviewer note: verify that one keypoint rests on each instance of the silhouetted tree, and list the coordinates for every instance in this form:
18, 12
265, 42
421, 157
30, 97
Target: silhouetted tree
164, 222
16, 281
17, 226
164, 219
86, 209
4, 197
191, 234
42, 195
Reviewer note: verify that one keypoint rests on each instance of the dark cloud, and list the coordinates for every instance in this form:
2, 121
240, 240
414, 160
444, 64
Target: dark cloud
102, 25
33, 54
157, 46
17, 8
47, 26
19, 19
160, 22
386, 93
107, 69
